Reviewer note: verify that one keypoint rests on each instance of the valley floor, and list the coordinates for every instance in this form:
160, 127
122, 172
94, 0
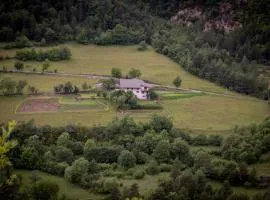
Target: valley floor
216, 111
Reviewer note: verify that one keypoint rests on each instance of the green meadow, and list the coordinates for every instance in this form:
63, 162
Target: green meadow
214, 110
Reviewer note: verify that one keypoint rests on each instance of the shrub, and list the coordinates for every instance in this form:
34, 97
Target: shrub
139, 174
165, 167
63, 154
134, 73
142, 46
77, 170
108, 154
76, 147
126, 159
152, 168
19, 65
160, 123
109, 184
177, 82
162, 152
116, 72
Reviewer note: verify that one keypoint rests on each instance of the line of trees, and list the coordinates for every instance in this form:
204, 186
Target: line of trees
67, 88
55, 54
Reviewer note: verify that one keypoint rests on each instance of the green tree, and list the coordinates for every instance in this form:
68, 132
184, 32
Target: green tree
162, 152
20, 86
64, 140
142, 46
108, 84
44, 190
116, 73
177, 82
77, 170
134, 73
9, 182
160, 123
45, 66
126, 159
18, 65
85, 86
7, 86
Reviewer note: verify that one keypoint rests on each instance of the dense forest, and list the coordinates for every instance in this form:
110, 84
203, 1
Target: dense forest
229, 58
97, 158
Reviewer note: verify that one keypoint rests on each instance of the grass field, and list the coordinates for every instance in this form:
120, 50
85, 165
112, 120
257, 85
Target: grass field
46, 83
70, 190
209, 113
99, 60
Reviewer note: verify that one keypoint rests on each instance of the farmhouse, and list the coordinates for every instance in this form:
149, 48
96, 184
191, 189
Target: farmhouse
139, 88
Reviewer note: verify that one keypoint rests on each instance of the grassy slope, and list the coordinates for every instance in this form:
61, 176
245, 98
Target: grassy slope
66, 188
208, 113
100, 60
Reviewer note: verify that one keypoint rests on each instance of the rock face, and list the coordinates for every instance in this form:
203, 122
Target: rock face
222, 17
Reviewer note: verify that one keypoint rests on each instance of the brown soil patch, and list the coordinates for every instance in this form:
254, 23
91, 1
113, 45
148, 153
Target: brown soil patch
39, 105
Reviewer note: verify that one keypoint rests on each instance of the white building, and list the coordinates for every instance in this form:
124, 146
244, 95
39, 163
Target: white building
139, 88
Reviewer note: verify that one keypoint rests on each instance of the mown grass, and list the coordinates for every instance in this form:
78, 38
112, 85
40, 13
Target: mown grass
204, 114
65, 188
177, 95
46, 83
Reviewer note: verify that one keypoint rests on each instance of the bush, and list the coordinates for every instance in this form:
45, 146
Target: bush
18, 65
142, 46
152, 168
109, 184
126, 159
162, 152
160, 123
63, 154
165, 167
116, 72
134, 73
108, 154
77, 170
139, 174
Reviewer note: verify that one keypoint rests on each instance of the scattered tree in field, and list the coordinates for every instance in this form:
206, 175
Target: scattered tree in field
142, 46
20, 86
134, 73
45, 66
177, 82
123, 100
116, 73
126, 159
32, 89
67, 88
85, 86
18, 65
108, 84
7, 86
